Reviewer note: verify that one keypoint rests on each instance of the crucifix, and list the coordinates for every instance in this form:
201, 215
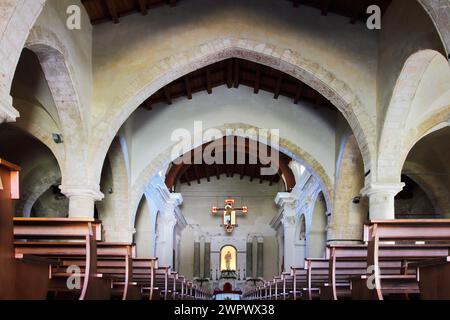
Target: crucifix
229, 214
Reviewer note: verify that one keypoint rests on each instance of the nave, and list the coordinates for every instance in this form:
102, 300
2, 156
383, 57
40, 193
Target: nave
224, 150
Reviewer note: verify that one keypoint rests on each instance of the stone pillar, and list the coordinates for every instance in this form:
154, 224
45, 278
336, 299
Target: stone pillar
196, 259
287, 219
170, 218
260, 258
249, 258
381, 199
81, 200
207, 261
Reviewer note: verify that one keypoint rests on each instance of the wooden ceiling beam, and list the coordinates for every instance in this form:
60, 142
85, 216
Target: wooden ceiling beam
257, 79
357, 10
147, 105
298, 94
325, 6
197, 177
187, 84
230, 73
207, 173
208, 80
185, 176
216, 166
296, 3
278, 87
242, 171
236, 73
167, 95
112, 10
143, 7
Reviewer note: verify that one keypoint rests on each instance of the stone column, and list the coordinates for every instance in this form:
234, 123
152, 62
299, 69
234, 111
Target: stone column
207, 261
287, 219
381, 199
81, 200
260, 258
249, 258
196, 259
170, 218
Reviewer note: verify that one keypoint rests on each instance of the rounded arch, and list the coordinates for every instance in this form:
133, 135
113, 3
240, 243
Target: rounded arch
292, 63
317, 233
18, 17
438, 12
54, 59
41, 178
394, 133
284, 146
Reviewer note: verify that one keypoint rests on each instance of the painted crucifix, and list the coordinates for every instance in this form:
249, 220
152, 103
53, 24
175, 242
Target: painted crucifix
229, 214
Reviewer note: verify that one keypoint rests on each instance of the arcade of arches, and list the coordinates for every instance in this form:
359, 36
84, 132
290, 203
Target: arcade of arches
359, 118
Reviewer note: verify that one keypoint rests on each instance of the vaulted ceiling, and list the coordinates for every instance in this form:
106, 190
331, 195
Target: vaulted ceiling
233, 73
237, 158
101, 11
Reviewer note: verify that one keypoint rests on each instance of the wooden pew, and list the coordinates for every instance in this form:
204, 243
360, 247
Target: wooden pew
347, 261
25, 278
430, 239
114, 261
59, 238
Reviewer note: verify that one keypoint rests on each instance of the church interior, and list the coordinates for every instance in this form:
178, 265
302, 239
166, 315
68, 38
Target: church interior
224, 150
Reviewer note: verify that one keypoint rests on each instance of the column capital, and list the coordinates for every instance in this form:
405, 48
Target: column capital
286, 200
382, 188
82, 191
260, 239
7, 112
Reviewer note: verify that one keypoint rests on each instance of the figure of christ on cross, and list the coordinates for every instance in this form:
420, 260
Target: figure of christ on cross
229, 214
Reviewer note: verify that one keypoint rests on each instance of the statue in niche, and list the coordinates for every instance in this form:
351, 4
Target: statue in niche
228, 258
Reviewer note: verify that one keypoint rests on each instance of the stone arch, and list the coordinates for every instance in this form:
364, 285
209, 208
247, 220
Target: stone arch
17, 18
31, 121
114, 209
284, 146
318, 219
439, 12
43, 177
59, 74
394, 127
293, 63
350, 208
430, 186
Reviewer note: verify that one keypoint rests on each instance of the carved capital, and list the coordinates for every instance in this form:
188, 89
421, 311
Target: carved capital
92, 192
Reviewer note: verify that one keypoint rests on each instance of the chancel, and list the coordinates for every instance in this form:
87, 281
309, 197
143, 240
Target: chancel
200, 150
229, 214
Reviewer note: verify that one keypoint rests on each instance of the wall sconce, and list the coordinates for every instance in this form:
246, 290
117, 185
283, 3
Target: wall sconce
356, 200
57, 138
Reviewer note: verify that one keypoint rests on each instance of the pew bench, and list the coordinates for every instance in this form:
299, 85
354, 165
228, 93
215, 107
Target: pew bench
58, 238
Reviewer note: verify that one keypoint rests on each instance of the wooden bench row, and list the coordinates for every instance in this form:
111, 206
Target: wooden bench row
77, 264
398, 259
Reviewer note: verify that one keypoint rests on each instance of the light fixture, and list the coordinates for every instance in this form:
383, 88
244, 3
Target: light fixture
57, 138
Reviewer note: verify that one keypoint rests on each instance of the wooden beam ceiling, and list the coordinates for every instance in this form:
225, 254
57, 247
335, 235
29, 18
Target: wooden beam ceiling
232, 72
101, 11
188, 172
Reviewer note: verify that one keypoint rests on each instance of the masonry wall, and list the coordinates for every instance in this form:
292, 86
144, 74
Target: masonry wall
312, 130
121, 52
